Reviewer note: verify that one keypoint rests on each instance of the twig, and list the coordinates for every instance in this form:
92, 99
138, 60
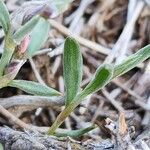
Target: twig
146, 119
148, 2
12, 118
42, 51
20, 123
56, 65
144, 145
37, 75
80, 122
87, 43
112, 101
79, 12
138, 100
57, 51
82, 41
34, 101
121, 45
97, 112
40, 80
61, 84
128, 31
16, 140
143, 84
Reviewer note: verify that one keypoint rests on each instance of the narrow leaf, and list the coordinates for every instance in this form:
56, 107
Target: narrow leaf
13, 68
4, 81
34, 88
72, 65
25, 29
39, 36
9, 48
74, 133
4, 17
60, 6
132, 61
102, 76
1, 147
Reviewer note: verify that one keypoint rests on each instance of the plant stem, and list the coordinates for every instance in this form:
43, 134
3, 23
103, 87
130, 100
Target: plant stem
75, 133
9, 48
66, 112
63, 115
120, 69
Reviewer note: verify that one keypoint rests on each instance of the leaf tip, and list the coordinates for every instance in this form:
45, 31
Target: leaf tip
70, 39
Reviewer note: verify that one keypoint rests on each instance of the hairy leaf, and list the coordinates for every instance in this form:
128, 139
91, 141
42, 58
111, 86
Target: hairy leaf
25, 29
132, 61
9, 48
1, 147
74, 133
102, 76
72, 65
4, 17
4, 81
34, 88
59, 6
39, 36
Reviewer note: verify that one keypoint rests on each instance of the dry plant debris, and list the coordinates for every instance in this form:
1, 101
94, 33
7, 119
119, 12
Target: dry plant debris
108, 31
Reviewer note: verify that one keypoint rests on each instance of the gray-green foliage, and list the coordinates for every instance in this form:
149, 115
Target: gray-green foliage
25, 29
1, 147
4, 17
60, 6
38, 36
12, 40
132, 61
74, 133
38, 28
104, 74
34, 88
72, 69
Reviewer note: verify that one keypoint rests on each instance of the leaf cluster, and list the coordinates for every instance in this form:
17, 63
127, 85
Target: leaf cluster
22, 43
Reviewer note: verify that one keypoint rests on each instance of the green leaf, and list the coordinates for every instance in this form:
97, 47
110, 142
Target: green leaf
4, 81
9, 48
1, 147
102, 76
72, 65
34, 88
132, 61
25, 29
4, 17
60, 6
74, 133
39, 36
